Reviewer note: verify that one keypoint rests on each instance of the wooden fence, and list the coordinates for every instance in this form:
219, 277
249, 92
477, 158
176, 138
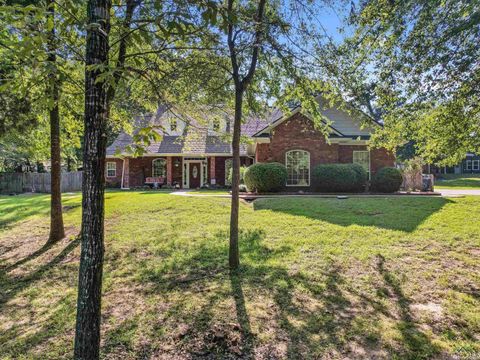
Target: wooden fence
38, 182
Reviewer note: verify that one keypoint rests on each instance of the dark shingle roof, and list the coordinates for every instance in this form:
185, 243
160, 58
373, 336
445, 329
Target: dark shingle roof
195, 140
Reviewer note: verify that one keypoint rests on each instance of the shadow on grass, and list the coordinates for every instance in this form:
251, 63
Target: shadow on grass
312, 315
243, 319
416, 343
10, 286
41, 327
394, 213
32, 256
17, 208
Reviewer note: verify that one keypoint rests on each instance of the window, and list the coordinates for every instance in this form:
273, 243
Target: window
468, 165
173, 125
111, 169
298, 168
159, 168
362, 158
476, 165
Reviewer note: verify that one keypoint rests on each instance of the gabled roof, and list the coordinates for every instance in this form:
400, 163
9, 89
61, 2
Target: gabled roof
194, 139
342, 123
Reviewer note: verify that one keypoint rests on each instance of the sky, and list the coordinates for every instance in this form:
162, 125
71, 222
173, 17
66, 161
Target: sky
333, 16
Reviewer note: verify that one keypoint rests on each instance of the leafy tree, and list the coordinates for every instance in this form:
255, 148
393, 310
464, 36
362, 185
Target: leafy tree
417, 61
141, 47
241, 82
270, 52
33, 72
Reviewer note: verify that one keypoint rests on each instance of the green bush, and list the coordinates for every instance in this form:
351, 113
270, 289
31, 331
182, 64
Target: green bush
387, 180
265, 177
339, 178
362, 177
242, 175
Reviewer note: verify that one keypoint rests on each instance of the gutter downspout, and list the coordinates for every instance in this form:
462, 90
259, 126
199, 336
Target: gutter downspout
123, 173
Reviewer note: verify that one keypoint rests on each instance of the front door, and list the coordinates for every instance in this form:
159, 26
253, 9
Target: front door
194, 175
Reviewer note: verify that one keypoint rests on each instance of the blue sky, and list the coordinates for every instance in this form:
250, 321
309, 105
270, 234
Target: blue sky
332, 18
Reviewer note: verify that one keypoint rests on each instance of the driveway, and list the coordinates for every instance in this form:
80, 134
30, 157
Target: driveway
454, 192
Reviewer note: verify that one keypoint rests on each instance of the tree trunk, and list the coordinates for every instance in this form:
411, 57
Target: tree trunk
233, 258
87, 337
57, 231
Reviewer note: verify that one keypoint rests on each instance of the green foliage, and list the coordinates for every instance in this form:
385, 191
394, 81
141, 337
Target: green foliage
339, 178
387, 180
243, 169
360, 178
415, 65
266, 177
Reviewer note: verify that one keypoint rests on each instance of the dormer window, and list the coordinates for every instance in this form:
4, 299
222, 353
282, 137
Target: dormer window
173, 125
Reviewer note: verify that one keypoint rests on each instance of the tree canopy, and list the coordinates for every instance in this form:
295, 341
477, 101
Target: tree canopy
414, 64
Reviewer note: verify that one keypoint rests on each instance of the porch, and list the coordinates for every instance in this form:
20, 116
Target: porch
173, 171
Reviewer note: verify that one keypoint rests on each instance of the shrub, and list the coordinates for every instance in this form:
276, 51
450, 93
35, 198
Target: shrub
339, 178
265, 177
361, 178
334, 178
242, 175
387, 180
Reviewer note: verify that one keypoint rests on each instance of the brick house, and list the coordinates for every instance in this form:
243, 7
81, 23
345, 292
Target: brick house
191, 155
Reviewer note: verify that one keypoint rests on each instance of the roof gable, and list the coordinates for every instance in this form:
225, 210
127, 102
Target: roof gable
342, 123
191, 136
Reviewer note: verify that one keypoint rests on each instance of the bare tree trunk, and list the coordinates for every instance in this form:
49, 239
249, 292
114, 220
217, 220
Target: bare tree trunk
234, 256
240, 85
57, 231
87, 337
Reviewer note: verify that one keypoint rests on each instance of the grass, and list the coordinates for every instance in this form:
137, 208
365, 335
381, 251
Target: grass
458, 181
210, 191
388, 278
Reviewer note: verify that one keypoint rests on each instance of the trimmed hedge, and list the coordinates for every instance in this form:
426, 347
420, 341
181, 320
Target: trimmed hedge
265, 177
362, 177
387, 180
339, 178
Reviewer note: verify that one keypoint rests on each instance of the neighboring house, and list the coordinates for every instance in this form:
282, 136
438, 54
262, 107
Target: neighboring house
191, 155
469, 165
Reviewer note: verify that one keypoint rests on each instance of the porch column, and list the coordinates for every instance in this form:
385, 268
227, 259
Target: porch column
169, 171
213, 181
126, 173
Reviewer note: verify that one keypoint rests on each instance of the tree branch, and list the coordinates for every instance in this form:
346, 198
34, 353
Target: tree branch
257, 44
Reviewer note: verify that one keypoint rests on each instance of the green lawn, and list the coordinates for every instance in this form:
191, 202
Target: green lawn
460, 181
385, 278
210, 191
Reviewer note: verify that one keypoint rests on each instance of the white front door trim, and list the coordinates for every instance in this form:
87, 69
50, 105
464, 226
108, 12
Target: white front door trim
187, 175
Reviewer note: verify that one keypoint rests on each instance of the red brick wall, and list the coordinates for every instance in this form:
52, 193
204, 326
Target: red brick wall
298, 133
262, 153
380, 158
220, 170
140, 169
345, 152
177, 170
117, 180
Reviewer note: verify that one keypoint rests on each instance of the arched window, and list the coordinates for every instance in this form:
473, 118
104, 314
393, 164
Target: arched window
159, 168
298, 168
